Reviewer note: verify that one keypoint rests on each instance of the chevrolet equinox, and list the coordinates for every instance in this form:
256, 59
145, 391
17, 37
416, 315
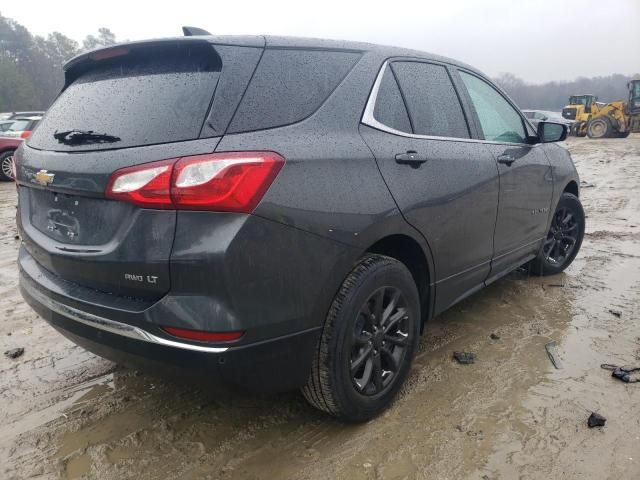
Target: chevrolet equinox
280, 213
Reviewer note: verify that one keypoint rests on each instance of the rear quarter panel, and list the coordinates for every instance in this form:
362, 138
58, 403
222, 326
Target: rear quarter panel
330, 187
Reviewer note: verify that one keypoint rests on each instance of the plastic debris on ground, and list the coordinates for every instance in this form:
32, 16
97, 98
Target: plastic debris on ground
14, 352
464, 358
552, 351
626, 373
596, 420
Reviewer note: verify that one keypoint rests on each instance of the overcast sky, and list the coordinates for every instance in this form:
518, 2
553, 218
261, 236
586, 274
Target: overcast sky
537, 40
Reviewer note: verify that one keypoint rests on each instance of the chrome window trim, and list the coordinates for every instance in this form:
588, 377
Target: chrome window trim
369, 120
114, 327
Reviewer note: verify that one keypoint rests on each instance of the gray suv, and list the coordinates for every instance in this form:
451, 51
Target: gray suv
280, 213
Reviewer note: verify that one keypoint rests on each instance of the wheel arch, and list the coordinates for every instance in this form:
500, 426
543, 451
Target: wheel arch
572, 187
409, 251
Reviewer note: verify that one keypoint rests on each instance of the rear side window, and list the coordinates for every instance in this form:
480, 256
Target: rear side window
500, 122
432, 101
289, 85
152, 95
390, 109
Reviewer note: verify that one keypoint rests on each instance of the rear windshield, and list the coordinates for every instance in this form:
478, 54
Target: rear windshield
152, 95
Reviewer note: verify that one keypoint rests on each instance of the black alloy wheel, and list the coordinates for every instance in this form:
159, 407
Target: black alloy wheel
368, 341
380, 339
564, 238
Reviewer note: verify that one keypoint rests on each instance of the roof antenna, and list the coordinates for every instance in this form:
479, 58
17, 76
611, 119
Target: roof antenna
191, 31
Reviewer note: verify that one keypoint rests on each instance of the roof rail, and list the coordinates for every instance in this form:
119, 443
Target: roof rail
191, 31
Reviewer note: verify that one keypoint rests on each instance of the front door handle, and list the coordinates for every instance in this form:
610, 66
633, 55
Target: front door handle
410, 157
506, 159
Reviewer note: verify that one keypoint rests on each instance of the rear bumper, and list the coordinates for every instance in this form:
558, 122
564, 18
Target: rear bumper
276, 364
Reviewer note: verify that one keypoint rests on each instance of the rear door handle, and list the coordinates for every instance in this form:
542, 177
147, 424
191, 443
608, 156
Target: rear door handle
410, 157
506, 159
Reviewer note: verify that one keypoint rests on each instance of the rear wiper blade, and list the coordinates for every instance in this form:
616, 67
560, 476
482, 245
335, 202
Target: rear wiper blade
78, 137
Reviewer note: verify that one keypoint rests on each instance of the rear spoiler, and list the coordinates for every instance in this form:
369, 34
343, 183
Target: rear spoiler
191, 34
114, 50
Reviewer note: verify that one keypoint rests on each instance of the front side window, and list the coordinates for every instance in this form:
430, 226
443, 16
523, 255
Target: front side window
500, 122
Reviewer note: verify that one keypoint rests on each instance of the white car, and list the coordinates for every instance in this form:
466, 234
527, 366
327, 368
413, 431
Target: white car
21, 127
4, 125
536, 116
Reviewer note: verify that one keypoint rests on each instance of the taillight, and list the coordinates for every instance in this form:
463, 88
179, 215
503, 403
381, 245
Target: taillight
203, 336
233, 182
230, 182
147, 185
25, 134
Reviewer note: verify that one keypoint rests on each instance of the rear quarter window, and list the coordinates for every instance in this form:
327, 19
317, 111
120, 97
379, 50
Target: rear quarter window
289, 85
390, 109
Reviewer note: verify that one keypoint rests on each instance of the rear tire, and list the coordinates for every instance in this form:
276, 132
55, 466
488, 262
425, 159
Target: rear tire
564, 238
368, 341
600, 128
580, 129
6, 166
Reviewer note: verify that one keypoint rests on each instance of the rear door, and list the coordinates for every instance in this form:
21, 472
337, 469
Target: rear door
152, 100
445, 185
526, 181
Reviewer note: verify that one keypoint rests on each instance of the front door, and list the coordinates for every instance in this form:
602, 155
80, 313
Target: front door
445, 185
526, 183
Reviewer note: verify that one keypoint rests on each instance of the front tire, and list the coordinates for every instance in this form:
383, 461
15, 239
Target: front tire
580, 129
6, 166
564, 238
368, 341
599, 128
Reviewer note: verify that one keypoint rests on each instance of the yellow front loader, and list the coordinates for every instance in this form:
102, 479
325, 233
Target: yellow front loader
617, 119
580, 110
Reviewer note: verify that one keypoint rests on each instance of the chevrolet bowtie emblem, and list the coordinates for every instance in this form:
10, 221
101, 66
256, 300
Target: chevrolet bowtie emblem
44, 178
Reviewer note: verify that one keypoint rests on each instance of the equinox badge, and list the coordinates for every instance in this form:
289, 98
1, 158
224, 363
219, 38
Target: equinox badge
44, 178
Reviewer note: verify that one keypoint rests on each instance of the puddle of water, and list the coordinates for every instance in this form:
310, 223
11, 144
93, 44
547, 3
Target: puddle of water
78, 466
73, 398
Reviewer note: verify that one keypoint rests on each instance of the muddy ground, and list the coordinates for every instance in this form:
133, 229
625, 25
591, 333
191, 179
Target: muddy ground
65, 413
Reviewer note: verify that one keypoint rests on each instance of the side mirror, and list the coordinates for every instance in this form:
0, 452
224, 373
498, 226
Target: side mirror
552, 132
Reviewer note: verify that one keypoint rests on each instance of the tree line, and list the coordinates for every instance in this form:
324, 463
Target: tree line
31, 73
555, 95
31, 66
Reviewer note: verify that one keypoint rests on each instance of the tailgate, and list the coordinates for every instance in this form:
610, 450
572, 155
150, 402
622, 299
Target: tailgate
121, 107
